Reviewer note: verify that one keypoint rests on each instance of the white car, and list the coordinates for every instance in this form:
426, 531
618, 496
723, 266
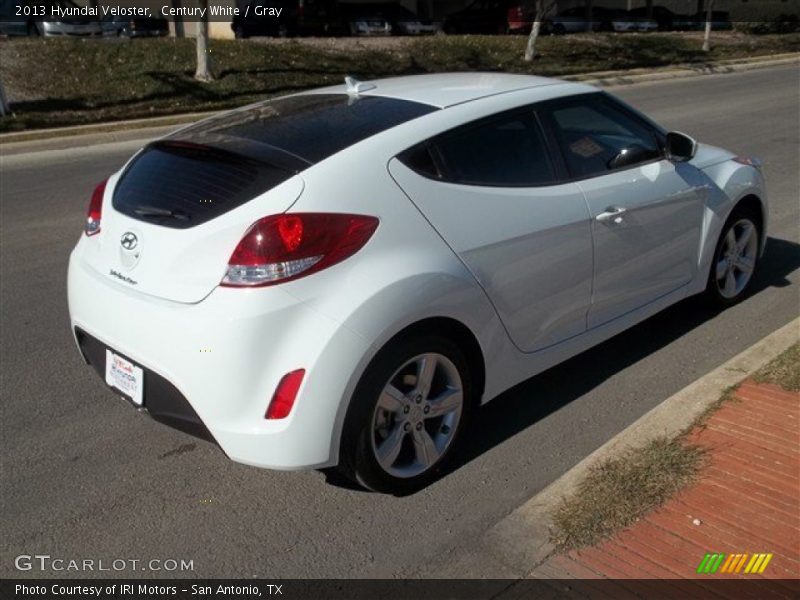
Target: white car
341, 276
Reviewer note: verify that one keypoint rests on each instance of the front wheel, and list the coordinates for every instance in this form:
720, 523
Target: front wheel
735, 259
407, 415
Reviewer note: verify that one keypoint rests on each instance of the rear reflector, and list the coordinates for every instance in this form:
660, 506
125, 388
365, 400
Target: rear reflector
288, 246
283, 400
92, 225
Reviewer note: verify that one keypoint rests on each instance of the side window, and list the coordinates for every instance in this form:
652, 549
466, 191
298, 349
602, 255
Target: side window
507, 151
420, 159
596, 137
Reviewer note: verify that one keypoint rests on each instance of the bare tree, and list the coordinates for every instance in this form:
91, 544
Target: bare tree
203, 72
542, 8
709, 16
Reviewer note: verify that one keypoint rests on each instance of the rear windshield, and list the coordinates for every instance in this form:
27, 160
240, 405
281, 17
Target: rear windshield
182, 185
203, 171
312, 126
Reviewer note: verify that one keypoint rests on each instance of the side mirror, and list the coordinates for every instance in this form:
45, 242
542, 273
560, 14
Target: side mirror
680, 147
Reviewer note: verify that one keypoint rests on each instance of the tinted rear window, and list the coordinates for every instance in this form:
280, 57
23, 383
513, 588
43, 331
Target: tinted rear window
203, 171
183, 185
313, 126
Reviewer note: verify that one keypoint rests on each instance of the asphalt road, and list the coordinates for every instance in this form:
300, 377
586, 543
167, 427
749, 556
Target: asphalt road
84, 476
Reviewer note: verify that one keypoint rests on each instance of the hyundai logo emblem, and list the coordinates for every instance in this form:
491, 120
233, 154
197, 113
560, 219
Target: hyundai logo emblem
129, 241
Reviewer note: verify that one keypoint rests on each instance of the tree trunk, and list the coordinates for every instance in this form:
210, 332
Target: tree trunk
203, 72
530, 49
4, 108
707, 38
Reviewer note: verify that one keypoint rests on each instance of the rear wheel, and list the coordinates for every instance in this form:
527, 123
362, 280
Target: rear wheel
735, 259
407, 415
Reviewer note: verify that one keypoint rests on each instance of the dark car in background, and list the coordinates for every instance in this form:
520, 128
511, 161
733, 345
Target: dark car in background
660, 14
482, 16
720, 20
12, 23
311, 17
365, 19
137, 27
572, 20
405, 22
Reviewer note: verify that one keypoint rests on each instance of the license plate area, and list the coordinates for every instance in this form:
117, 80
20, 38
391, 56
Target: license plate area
125, 376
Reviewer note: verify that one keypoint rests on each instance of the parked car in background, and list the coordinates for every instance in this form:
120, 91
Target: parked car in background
572, 20
72, 26
12, 23
720, 20
138, 27
482, 16
366, 19
623, 21
519, 18
311, 17
405, 22
661, 15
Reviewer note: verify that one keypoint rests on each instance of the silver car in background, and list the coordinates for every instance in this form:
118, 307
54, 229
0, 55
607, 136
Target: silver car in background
73, 26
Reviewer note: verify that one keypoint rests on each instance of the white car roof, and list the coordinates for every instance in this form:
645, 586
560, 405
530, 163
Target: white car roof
447, 89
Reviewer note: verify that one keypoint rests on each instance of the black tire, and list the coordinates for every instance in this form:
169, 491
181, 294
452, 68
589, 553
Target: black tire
713, 294
357, 459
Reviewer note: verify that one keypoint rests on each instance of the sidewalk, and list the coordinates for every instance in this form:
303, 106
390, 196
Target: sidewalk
745, 503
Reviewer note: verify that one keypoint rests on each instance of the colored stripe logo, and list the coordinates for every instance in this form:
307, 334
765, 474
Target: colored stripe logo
718, 562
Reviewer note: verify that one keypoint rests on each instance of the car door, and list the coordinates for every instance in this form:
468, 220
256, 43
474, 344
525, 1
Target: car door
646, 210
492, 191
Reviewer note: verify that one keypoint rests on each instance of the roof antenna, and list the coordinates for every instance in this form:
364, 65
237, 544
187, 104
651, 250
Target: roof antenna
355, 87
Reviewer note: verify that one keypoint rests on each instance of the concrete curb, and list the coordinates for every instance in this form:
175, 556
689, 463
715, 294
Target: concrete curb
98, 133
632, 76
521, 541
108, 128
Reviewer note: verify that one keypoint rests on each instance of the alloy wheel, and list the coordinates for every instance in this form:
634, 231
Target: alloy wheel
737, 258
417, 415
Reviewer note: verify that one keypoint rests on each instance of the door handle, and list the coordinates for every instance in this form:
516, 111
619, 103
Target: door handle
613, 214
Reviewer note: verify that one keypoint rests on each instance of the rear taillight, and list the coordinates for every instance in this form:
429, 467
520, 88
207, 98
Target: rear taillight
283, 400
284, 247
92, 225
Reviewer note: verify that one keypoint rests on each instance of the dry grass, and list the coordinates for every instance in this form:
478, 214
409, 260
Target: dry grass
54, 82
618, 492
783, 371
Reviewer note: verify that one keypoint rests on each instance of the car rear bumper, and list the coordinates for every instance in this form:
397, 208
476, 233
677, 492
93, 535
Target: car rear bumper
212, 367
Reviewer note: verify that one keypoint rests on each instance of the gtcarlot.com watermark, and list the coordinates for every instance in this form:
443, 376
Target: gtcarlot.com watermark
47, 563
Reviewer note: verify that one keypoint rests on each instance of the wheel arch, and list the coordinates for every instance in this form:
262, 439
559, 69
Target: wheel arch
457, 332
447, 326
753, 202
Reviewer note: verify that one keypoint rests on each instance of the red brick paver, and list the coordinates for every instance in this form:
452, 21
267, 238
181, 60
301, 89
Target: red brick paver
746, 500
